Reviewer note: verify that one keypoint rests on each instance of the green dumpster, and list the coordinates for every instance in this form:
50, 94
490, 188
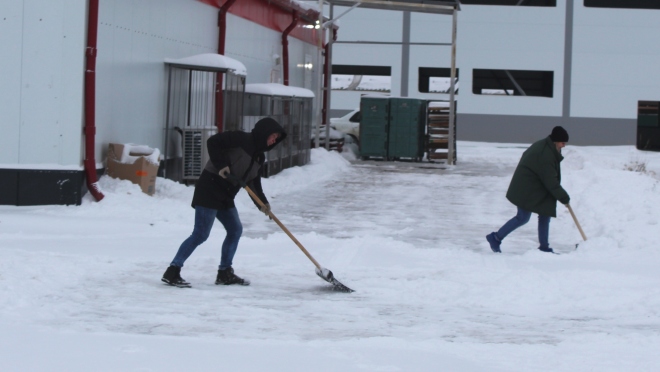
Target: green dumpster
374, 127
406, 129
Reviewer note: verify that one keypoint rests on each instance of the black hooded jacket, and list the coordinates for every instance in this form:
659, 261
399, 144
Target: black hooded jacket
244, 154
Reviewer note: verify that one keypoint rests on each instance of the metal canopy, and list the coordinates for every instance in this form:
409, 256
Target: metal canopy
422, 6
445, 7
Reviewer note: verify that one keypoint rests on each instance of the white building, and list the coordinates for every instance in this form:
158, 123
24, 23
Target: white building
49, 152
524, 66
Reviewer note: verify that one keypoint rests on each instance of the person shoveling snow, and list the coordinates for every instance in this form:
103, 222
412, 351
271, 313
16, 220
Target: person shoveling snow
234, 153
535, 188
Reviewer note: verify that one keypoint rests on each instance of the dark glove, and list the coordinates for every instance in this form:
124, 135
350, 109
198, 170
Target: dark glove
265, 209
224, 172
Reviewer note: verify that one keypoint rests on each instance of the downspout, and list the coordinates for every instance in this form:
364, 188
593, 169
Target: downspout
90, 100
222, 35
285, 48
326, 76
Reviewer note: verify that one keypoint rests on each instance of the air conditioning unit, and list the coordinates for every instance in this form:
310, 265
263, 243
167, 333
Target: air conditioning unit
195, 151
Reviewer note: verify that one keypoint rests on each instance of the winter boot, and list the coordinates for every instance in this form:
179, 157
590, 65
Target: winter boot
228, 277
494, 242
173, 277
546, 249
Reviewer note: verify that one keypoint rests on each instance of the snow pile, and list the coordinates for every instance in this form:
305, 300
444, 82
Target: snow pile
132, 152
323, 167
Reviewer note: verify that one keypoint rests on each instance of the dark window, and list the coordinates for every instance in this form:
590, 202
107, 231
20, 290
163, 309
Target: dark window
362, 70
435, 80
511, 2
626, 4
512, 82
361, 78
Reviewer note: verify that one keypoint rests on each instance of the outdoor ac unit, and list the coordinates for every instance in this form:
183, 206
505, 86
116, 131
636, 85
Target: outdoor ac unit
195, 152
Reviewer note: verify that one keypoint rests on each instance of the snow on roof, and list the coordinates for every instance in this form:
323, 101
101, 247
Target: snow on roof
273, 89
212, 61
307, 5
438, 104
131, 152
376, 95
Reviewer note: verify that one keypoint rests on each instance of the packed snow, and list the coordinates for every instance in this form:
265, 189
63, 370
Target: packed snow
210, 60
129, 153
81, 290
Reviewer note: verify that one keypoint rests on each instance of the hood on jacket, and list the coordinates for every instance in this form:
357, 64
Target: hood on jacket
263, 129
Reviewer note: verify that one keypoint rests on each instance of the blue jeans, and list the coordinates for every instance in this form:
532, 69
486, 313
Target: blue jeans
204, 218
522, 218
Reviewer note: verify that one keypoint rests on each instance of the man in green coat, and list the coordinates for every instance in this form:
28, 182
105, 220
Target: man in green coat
535, 188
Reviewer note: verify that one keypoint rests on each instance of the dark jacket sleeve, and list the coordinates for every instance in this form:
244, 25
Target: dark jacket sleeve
255, 185
218, 147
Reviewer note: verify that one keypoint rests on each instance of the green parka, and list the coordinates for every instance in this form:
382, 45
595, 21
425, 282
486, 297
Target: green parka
536, 183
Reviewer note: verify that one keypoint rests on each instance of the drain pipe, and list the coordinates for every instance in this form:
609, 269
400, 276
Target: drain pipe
90, 100
285, 48
326, 76
222, 35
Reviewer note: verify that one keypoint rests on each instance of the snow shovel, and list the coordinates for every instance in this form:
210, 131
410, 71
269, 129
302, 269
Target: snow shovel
324, 273
576, 223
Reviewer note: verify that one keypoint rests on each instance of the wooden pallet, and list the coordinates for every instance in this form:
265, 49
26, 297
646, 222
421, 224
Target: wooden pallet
437, 130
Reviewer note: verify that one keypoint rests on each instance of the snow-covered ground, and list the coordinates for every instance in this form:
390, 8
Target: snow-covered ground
80, 286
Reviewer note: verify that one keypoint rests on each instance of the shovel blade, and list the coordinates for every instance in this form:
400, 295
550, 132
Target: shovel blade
326, 275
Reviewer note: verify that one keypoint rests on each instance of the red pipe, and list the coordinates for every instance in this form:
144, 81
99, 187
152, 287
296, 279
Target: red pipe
285, 47
90, 100
222, 35
326, 77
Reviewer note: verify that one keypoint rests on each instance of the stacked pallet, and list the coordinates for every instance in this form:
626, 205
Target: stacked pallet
437, 131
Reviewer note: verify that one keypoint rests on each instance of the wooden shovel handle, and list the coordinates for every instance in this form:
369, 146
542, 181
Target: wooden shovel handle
281, 225
576, 221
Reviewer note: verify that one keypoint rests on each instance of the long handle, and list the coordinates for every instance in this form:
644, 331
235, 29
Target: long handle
576, 221
261, 204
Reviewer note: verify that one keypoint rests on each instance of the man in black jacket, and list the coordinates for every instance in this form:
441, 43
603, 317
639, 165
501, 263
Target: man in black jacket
233, 154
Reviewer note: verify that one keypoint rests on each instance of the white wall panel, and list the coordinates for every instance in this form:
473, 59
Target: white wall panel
257, 47
430, 28
345, 100
10, 75
616, 55
72, 67
41, 81
50, 65
134, 39
371, 25
510, 38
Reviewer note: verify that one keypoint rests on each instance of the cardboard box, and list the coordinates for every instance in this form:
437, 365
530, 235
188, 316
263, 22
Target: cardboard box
136, 163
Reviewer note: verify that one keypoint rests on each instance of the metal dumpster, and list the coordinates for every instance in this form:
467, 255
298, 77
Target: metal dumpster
406, 129
374, 127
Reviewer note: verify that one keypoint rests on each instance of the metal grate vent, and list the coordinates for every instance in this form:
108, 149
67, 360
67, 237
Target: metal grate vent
195, 152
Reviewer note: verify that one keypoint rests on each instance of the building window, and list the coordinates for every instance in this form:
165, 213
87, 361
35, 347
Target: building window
361, 78
626, 4
436, 80
512, 82
511, 2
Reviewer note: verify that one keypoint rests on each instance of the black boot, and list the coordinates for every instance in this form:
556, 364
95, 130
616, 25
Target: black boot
228, 277
173, 277
546, 249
